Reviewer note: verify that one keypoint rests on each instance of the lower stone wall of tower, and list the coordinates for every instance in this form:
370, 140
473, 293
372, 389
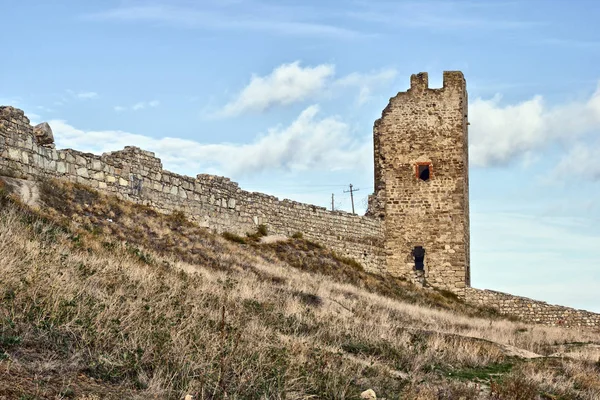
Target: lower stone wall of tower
212, 201
530, 310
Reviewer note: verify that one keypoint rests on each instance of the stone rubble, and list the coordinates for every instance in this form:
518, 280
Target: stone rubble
368, 395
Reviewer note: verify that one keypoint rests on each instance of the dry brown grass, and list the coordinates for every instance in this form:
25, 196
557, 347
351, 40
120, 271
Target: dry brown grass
199, 314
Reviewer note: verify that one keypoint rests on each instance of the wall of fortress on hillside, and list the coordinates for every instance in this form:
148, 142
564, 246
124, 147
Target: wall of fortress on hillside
529, 310
212, 201
220, 205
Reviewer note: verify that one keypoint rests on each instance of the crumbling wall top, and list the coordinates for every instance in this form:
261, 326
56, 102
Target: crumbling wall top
420, 82
9, 112
130, 150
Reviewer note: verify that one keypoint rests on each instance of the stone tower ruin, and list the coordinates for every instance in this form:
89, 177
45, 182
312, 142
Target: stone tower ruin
422, 182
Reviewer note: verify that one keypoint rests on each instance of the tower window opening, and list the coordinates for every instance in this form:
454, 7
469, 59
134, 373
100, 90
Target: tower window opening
423, 171
419, 255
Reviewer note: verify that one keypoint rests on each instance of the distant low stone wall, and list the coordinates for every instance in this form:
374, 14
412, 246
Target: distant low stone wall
212, 201
530, 310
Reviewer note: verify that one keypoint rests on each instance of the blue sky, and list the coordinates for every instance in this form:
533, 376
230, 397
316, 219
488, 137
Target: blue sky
281, 96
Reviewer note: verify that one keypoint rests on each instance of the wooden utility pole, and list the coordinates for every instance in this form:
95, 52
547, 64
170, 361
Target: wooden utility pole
351, 191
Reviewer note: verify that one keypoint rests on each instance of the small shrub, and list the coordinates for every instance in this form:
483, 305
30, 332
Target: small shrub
297, 235
67, 393
85, 271
178, 217
449, 295
312, 244
145, 258
262, 230
109, 245
232, 237
7, 342
309, 299
351, 262
3, 192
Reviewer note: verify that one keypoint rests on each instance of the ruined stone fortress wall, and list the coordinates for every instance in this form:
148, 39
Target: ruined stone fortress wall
421, 125
529, 310
212, 201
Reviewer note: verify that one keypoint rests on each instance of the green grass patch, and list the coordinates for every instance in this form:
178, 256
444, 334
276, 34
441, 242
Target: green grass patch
380, 349
144, 257
485, 373
7, 342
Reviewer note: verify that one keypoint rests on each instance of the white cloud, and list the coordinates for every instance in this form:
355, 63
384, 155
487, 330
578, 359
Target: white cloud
366, 82
291, 83
286, 84
580, 162
138, 106
500, 133
309, 142
237, 16
87, 95
145, 104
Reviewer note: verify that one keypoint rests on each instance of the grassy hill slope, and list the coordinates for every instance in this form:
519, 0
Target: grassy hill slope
107, 299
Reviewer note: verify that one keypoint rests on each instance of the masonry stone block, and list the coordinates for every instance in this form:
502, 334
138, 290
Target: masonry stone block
82, 172
14, 154
99, 175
